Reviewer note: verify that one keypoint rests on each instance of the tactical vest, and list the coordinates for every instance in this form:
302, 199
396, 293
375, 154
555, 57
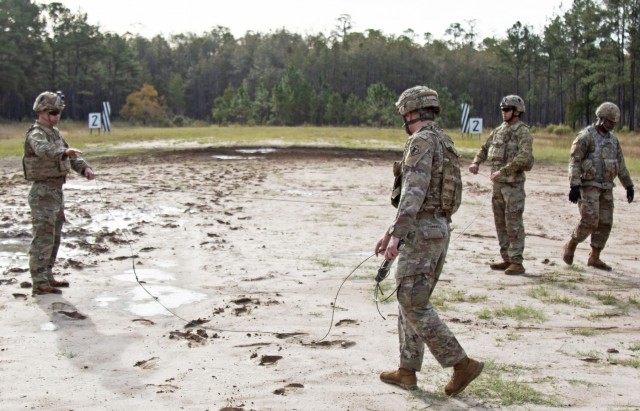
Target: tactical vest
504, 146
42, 168
600, 167
445, 187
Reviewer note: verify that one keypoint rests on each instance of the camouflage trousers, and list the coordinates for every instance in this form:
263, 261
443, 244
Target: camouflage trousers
419, 266
47, 217
596, 216
508, 207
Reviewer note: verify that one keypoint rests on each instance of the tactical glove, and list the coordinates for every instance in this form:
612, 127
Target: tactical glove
574, 194
630, 194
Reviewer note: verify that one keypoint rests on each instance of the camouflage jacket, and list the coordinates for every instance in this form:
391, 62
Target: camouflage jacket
421, 174
44, 155
596, 160
509, 148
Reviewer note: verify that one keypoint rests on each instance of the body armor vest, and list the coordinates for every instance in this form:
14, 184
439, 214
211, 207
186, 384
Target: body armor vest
600, 167
42, 168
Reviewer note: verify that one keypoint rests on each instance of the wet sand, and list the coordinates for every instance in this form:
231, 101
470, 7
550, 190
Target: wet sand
205, 279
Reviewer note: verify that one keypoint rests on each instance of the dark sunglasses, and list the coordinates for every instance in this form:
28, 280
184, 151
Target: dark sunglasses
54, 112
507, 109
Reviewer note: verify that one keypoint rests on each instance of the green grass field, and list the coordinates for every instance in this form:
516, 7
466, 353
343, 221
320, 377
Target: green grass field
548, 147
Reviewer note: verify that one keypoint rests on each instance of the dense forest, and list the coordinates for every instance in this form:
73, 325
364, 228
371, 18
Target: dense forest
584, 55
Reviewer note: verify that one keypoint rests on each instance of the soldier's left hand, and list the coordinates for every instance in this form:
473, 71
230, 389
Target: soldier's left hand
630, 194
495, 175
88, 173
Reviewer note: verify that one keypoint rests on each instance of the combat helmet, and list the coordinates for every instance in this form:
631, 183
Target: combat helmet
47, 101
609, 111
513, 101
418, 97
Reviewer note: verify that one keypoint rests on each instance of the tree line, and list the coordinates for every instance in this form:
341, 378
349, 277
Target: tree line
584, 55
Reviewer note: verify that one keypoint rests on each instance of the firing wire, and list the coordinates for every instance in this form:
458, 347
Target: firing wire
188, 323
333, 311
133, 266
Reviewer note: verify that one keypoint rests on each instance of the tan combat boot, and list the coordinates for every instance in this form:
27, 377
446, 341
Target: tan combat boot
463, 373
569, 251
55, 283
402, 377
44, 288
595, 261
500, 266
514, 269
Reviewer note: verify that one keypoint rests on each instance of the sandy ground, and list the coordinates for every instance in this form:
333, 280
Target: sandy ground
248, 249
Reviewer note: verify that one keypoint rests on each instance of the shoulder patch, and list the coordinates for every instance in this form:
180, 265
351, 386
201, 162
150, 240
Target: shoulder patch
418, 147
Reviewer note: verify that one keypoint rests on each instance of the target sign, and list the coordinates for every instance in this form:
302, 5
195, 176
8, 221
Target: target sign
95, 120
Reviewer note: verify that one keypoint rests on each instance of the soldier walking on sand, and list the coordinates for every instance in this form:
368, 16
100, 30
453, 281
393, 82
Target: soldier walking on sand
596, 160
427, 192
509, 148
46, 162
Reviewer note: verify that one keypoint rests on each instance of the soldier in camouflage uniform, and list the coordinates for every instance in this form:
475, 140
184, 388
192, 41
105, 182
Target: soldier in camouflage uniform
47, 160
509, 149
423, 226
596, 160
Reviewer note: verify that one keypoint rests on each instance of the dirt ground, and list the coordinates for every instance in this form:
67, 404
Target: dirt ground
248, 248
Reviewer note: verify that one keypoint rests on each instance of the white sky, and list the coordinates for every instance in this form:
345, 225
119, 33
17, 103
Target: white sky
151, 17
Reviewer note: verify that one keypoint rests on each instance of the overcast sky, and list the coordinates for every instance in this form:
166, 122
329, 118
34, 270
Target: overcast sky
149, 18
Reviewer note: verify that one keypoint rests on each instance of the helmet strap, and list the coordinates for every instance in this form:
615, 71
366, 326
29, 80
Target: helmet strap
408, 123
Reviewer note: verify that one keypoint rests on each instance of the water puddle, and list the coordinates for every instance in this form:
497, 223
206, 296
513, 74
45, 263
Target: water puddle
171, 297
49, 326
13, 254
228, 157
139, 302
257, 150
123, 219
148, 275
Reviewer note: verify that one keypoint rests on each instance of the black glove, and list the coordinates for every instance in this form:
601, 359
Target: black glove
574, 194
630, 194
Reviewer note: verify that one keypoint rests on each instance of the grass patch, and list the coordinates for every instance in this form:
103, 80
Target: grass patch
441, 297
494, 387
544, 294
325, 263
607, 299
593, 355
521, 313
485, 314
635, 346
607, 314
548, 146
581, 382
627, 362
583, 331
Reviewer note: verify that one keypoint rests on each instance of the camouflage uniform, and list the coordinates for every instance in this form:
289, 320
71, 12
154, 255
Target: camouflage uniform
509, 148
425, 230
45, 163
596, 160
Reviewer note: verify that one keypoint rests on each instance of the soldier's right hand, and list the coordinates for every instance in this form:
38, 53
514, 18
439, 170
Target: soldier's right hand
574, 194
473, 168
72, 152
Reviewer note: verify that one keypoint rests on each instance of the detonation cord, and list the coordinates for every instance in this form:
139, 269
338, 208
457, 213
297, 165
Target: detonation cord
199, 323
377, 289
333, 311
